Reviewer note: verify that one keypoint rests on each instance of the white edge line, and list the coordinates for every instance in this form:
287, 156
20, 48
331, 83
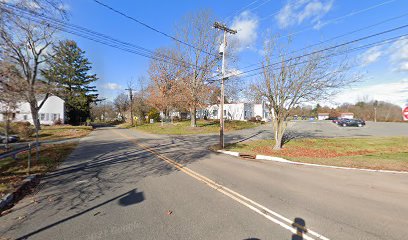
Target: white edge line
282, 160
236, 154
324, 166
236, 196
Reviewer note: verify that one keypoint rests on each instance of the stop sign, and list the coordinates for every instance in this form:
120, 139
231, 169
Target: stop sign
405, 113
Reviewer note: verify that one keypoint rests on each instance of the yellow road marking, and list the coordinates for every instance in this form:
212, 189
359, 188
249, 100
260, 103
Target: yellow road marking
256, 207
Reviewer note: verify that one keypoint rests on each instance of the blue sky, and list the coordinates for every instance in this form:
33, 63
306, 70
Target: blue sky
385, 68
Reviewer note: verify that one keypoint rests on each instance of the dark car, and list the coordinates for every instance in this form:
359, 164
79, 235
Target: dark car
334, 119
11, 138
351, 123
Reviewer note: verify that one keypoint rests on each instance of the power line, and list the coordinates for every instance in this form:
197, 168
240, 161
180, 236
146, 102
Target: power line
340, 36
94, 36
337, 54
339, 18
326, 49
151, 28
336, 46
375, 44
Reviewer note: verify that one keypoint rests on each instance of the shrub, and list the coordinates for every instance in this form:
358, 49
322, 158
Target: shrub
154, 114
23, 129
176, 119
252, 119
58, 121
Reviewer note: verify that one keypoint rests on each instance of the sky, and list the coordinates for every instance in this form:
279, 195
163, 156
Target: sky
383, 69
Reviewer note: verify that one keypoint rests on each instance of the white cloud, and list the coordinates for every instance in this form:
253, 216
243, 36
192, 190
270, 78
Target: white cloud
246, 25
112, 86
399, 54
295, 12
371, 55
233, 72
396, 93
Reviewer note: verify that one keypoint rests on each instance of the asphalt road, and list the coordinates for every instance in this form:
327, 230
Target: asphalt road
122, 184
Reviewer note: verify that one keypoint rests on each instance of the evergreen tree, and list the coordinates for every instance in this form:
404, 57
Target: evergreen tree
69, 70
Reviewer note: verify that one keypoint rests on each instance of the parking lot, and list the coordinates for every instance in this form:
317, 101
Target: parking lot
329, 129
324, 129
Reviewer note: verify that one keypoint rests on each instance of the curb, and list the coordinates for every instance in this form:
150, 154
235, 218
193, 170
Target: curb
282, 160
19, 192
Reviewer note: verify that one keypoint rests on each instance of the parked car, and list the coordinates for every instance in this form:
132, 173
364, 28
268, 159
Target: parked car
351, 122
335, 119
11, 138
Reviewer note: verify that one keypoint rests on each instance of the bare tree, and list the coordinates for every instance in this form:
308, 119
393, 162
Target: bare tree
121, 103
103, 111
24, 42
164, 92
291, 81
139, 104
199, 62
9, 97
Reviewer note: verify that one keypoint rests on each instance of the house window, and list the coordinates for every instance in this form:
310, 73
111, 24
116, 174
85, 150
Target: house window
47, 116
215, 112
55, 116
245, 113
25, 117
42, 116
225, 112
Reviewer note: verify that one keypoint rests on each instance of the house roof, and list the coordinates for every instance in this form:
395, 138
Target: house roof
347, 113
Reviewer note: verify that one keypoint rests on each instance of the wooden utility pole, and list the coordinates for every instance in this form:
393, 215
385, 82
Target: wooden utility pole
223, 48
131, 104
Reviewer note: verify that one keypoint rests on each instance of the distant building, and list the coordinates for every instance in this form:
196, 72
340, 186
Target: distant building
347, 115
52, 110
236, 111
322, 116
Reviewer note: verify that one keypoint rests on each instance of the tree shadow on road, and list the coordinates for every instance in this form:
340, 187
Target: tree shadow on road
127, 198
95, 170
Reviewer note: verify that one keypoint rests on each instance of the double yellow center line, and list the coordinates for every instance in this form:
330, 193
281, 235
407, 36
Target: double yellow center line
254, 206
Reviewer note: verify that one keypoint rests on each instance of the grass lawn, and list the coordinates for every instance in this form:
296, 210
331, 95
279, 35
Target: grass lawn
389, 153
12, 172
59, 132
203, 127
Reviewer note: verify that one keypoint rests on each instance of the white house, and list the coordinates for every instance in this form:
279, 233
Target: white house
347, 115
52, 110
236, 111
322, 116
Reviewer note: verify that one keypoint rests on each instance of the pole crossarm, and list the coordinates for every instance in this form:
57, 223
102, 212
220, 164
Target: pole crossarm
224, 28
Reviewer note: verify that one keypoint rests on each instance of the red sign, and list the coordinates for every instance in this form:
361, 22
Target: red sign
405, 114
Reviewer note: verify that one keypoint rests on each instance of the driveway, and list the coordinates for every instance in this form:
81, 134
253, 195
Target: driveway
123, 184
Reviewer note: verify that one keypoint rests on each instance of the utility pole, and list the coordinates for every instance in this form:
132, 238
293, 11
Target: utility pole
375, 110
223, 48
131, 103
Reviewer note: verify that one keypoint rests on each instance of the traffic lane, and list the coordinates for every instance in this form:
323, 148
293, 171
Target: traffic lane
337, 203
125, 200
328, 197
100, 164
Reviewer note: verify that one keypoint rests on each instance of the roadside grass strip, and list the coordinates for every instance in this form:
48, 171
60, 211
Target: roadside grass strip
386, 154
203, 127
272, 216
